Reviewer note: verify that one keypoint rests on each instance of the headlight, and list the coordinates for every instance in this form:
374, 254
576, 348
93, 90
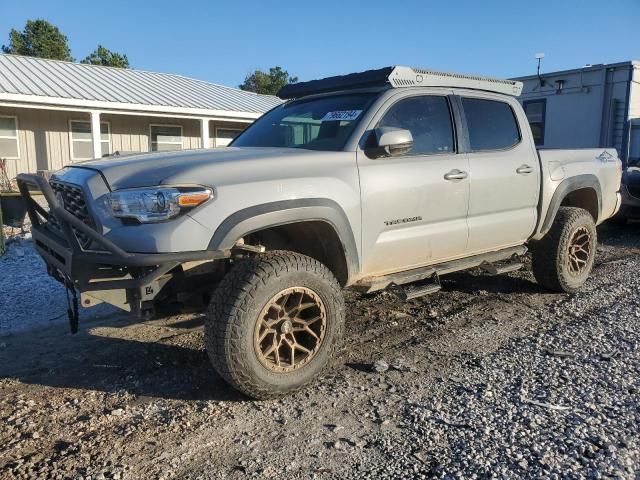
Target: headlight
149, 205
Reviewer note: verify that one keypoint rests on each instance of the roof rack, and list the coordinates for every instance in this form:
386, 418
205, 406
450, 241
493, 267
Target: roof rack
399, 77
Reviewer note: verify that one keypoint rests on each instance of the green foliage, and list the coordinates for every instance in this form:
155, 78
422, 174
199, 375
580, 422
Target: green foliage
105, 57
44, 40
39, 39
267, 83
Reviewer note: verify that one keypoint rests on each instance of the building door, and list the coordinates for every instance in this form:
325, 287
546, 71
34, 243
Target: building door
414, 206
504, 174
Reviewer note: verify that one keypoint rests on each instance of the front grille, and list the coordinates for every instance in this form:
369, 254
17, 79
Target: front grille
72, 198
634, 190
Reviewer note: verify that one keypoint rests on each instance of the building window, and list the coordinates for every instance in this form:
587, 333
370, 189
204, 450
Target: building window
165, 137
491, 124
9, 137
82, 143
224, 136
536, 111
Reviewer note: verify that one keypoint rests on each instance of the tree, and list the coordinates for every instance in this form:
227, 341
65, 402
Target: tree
267, 83
39, 39
107, 58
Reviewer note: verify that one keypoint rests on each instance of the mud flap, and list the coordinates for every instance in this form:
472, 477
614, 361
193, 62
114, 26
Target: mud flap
72, 306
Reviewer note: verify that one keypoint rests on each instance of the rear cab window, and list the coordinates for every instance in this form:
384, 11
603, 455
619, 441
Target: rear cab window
491, 124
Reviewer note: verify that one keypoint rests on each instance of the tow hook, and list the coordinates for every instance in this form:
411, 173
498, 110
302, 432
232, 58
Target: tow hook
72, 306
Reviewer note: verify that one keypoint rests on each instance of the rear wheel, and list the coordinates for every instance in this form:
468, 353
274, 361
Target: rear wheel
273, 323
563, 259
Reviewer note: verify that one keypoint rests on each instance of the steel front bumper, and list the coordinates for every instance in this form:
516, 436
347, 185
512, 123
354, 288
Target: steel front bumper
105, 267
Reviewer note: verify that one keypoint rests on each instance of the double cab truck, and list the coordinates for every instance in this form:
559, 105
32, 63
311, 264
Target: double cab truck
387, 178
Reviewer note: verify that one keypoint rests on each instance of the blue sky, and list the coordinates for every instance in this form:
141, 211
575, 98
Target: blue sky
222, 41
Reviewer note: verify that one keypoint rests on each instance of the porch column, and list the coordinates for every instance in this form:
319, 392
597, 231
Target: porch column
95, 134
204, 133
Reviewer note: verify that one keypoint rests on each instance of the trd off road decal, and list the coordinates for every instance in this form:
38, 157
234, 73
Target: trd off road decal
605, 157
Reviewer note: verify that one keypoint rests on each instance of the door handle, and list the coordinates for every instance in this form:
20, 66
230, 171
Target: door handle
524, 169
455, 175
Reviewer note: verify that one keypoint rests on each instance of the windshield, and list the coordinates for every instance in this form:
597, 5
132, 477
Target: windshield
316, 124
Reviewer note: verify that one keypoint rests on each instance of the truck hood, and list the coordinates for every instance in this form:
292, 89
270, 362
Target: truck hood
192, 166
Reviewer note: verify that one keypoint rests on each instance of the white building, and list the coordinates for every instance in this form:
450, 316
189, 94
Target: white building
53, 113
592, 106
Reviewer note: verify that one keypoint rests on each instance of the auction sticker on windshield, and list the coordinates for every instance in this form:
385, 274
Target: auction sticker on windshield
347, 115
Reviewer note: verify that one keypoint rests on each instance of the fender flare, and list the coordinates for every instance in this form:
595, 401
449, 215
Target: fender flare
283, 212
565, 188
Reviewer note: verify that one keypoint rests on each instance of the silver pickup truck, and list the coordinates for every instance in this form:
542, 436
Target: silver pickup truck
382, 179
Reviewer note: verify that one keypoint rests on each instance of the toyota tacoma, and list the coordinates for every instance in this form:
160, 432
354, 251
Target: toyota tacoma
384, 179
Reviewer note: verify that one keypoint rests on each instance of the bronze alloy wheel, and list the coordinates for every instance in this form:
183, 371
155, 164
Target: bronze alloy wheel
290, 329
562, 259
579, 251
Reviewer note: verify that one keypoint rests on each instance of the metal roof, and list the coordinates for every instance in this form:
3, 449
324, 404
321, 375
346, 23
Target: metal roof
30, 79
586, 68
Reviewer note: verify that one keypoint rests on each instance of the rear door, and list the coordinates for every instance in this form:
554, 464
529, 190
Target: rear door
504, 172
414, 208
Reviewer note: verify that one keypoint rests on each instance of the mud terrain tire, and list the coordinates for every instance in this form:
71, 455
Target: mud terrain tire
563, 259
262, 291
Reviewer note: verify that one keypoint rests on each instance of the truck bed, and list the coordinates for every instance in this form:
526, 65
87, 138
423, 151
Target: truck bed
588, 165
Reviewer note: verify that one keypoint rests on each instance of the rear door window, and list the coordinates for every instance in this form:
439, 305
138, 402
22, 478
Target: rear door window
491, 124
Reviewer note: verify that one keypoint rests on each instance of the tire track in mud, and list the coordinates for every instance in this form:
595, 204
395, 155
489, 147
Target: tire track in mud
163, 413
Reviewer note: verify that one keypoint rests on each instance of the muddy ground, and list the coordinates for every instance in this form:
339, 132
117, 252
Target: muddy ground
492, 376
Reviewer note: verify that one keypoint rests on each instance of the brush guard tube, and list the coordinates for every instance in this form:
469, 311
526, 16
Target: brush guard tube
106, 268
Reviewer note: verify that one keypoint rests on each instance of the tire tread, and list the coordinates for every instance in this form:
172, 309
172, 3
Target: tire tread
234, 298
547, 253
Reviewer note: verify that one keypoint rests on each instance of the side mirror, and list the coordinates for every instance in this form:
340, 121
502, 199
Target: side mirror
394, 141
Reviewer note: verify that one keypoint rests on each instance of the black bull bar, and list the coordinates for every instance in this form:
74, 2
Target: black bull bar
92, 269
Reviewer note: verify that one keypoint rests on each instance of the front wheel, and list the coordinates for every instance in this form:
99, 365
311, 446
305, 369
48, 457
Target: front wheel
564, 257
273, 323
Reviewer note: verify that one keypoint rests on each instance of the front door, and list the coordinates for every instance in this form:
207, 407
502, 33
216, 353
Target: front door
504, 174
414, 206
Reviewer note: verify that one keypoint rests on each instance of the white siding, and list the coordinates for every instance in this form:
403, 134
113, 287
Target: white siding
589, 110
131, 133
44, 139
43, 135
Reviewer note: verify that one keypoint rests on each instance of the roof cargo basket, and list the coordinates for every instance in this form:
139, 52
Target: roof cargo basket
399, 77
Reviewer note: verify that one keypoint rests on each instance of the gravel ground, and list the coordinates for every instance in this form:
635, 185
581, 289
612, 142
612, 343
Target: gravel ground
21, 271
491, 377
29, 297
